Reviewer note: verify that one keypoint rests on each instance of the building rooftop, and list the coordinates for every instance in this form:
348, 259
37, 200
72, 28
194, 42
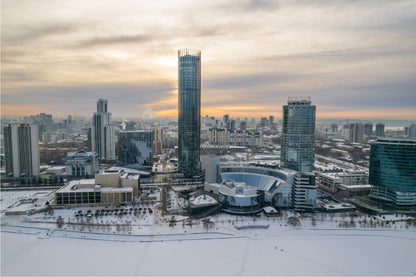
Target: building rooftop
129, 170
88, 185
402, 141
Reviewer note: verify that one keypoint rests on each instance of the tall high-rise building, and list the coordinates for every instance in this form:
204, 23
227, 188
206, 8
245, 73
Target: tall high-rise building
356, 132
225, 118
189, 112
263, 122
392, 170
271, 120
334, 128
380, 130
243, 125
368, 129
410, 131
157, 141
21, 145
102, 135
298, 134
232, 125
135, 147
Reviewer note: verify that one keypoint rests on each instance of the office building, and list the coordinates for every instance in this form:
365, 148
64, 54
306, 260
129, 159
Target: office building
380, 130
112, 186
368, 129
21, 146
410, 131
210, 164
349, 182
263, 122
81, 163
226, 138
135, 148
226, 118
356, 132
392, 171
243, 125
271, 120
304, 192
298, 135
189, 111
129, 126
102, 132
157, 142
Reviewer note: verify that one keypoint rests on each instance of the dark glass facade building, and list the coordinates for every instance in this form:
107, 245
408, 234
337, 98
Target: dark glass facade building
135, 147
298, 135
189, 111
393, 171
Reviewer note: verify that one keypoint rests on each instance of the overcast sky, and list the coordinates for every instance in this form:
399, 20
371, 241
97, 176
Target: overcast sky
355, 58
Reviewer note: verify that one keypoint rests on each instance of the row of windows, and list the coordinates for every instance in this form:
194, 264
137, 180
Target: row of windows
78, 198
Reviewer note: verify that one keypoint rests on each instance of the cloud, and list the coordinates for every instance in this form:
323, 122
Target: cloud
26, 33
103, 41
84, 97
345, 54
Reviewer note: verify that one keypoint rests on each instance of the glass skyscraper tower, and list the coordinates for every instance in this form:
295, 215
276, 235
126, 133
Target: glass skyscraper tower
393, 171
189, 111
298, 135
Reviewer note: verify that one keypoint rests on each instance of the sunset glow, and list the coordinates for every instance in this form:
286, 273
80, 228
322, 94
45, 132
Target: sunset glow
61, 56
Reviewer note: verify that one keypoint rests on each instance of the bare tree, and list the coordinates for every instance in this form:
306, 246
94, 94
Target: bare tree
60, 222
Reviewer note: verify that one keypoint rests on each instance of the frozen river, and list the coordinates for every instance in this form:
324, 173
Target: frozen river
255, 252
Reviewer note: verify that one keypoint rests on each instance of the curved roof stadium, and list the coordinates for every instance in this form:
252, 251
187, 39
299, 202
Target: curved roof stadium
262, 182
275, 183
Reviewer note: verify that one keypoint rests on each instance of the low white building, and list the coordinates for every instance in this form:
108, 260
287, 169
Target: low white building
108, 187
352, 182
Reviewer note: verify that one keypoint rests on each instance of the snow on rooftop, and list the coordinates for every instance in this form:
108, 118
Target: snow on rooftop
336, 206
129, 170
269, 209
203, 200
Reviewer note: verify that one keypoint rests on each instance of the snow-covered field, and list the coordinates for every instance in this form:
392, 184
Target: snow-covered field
131, 242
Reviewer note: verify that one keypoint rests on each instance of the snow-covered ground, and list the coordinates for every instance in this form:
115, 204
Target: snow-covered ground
293, 252
131, 240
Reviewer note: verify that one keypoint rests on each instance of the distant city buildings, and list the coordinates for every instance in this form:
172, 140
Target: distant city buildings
380, 130
135, 148
368, 129
298, 135
357, 132
129, 126
225, 138
263, 122
189, 112
410, 131
393, 171
21, 143
102, 136
158, 139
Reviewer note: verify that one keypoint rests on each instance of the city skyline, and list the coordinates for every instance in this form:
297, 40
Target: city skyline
356, 60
